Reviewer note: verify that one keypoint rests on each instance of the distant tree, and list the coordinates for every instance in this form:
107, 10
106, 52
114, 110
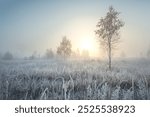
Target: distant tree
49, 54
76, 54
108, 31
64, 48
7, 56
73, 54
33, 56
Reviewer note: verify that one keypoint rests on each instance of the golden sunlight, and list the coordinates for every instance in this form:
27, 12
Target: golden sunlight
89, 43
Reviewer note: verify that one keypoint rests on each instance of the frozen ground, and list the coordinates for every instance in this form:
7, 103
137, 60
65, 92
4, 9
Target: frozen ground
74, 79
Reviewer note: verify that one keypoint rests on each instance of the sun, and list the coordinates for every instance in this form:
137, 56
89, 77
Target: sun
86, 44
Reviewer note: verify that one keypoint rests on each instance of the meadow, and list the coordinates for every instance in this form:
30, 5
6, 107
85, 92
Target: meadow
74, 80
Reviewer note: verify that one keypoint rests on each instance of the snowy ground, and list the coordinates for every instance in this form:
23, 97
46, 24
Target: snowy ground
74, 79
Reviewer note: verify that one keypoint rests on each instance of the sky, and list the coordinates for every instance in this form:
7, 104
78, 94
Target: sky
27, 26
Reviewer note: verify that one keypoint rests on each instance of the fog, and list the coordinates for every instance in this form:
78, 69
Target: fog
34, 26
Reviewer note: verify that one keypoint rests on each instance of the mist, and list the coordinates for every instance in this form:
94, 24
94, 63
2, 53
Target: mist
35, 26
75, 50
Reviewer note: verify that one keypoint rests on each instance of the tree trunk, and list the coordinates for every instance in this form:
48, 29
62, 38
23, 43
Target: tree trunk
109, 54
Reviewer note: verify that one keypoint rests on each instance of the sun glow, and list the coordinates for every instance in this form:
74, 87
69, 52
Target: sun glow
89, 44
86, 44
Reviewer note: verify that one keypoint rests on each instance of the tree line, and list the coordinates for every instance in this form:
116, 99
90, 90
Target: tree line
108, 36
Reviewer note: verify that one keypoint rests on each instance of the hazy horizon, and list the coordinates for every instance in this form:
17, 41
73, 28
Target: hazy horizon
27, 25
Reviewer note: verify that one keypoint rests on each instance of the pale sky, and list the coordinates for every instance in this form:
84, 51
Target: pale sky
36, 25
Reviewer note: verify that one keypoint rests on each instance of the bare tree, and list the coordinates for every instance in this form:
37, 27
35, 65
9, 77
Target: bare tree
33, 56
108, 31
7, 56
64, 48
49, 53
76, 53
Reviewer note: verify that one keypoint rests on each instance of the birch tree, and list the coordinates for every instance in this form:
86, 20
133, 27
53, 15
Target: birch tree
108, 32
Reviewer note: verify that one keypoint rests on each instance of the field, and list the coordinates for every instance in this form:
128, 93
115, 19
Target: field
74, 79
